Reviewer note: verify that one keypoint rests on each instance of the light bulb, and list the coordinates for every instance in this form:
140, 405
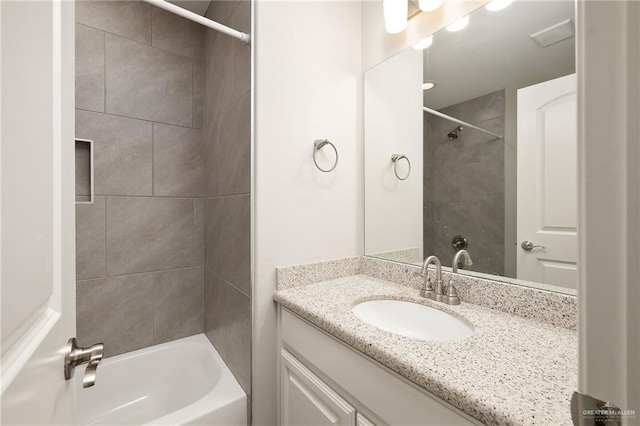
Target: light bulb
430, 5
424, 43
459, 24
498, 4
395, 15
428, 85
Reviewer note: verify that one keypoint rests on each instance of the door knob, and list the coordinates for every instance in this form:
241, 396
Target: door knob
76, 355
528, 246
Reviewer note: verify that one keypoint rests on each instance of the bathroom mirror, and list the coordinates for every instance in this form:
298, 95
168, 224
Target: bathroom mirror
472, 143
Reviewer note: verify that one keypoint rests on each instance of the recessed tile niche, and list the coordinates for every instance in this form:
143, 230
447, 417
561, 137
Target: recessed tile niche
84, 171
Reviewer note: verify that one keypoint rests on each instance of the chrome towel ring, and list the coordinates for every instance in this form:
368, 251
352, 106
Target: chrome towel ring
395, 158
317, 146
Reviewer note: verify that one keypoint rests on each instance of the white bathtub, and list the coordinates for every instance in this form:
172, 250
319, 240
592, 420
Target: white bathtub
183, 382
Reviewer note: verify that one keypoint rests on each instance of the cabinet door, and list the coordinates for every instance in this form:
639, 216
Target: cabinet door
307, 400
363, 421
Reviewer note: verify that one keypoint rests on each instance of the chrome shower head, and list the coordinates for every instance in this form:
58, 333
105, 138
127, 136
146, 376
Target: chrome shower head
454, 133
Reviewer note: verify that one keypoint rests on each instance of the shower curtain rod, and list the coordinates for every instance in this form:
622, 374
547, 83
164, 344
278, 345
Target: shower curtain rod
455, 120
200, 19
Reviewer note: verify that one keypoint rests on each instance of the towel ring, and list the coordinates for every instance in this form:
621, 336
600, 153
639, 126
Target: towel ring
395, 158
317, 146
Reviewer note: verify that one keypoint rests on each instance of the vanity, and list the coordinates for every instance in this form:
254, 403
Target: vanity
470, 162
336, 368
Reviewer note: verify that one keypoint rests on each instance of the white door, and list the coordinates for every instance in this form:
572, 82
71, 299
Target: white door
37, 209
547, 182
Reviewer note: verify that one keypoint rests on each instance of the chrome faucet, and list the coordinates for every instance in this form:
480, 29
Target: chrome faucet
456, 260
427, 289
452, 293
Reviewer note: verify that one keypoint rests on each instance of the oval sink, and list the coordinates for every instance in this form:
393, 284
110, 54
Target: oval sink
412, 320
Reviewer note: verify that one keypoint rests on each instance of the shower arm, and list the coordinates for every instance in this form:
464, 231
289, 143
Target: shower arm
463, 123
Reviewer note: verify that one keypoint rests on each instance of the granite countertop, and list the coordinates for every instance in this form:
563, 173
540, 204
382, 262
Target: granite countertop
513, 370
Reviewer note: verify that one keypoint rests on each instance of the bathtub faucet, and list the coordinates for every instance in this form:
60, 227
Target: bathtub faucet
76, 355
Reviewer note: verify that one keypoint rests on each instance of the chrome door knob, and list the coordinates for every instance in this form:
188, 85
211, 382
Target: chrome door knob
528, 246
76, 355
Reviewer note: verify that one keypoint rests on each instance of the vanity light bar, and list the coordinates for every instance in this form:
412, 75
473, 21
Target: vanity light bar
395, 15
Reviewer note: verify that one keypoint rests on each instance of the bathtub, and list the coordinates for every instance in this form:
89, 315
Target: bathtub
183, 382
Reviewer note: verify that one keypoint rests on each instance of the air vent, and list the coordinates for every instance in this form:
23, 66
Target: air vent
555, 33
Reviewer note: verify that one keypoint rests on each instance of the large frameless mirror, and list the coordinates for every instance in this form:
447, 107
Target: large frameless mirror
470, 143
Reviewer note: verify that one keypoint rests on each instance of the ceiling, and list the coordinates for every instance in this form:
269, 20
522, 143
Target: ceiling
495, 52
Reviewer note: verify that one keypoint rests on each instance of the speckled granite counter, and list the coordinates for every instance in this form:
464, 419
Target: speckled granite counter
513, 370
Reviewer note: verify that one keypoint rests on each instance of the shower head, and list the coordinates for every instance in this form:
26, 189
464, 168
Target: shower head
454, 133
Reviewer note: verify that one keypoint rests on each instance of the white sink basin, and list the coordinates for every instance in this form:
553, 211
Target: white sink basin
412, 320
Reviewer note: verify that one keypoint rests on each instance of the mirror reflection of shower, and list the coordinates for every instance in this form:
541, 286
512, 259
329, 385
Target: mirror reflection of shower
454, 133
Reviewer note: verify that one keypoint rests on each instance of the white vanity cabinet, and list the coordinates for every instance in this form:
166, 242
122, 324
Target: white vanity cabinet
325, 382
363, 421
307, 400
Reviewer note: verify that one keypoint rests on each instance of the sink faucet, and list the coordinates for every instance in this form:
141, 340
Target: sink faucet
452, 293
456, 260
427, 289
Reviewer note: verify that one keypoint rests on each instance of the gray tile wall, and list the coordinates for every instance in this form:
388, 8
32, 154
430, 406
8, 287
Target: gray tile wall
464, 183
140, 246
227, 187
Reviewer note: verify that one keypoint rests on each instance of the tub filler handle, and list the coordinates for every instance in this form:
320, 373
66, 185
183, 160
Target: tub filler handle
76, 355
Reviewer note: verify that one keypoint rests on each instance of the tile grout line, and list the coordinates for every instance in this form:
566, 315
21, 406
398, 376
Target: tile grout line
171, 197
104, 71
105, 237
229, 283
135, 41
204, 301
193, 234
136, 118
129, 274
153, 308
153, 160
222, 113
151, 26
193, 94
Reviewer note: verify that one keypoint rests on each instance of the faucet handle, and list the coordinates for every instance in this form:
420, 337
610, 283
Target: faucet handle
451, 297
427, 290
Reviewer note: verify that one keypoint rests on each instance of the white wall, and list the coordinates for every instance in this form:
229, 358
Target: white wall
393, 125
307, 86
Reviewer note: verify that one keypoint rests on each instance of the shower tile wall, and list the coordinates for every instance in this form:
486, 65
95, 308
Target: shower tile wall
464, 183
140, 246
227, 186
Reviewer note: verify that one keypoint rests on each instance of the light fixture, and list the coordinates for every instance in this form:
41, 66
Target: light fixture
459, 24
428, 85
395, 15
430, 5
424, 43
498, 5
